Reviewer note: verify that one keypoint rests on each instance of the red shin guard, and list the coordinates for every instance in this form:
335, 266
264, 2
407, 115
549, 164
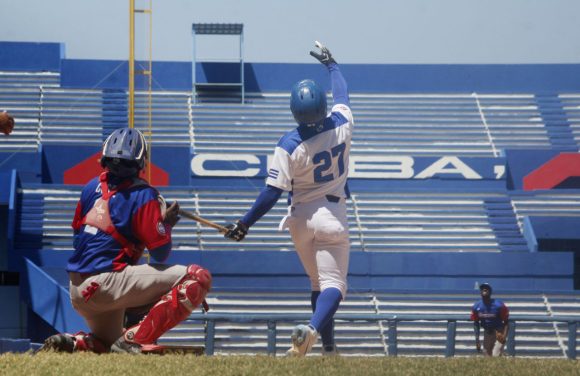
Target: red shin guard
174, 307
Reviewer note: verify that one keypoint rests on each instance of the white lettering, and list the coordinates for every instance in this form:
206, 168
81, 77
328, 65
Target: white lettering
369, 167
440, 167
499, 171
198, 160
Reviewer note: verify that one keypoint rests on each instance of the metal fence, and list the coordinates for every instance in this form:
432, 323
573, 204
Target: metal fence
271, 320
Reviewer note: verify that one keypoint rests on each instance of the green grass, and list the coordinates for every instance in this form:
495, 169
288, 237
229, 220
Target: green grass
186, 365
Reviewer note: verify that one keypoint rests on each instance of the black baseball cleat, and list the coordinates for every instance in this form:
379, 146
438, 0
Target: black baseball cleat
126, 347
123, 346
59, 343
329, 350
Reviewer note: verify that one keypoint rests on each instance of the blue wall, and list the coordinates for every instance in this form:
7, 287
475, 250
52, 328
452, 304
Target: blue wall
8, 186
369, 271
108, 74
546, 228
553, 234
28, 165
5, 186
27, 56
424, 78
11, 323
177, 75
386, 173
268, 77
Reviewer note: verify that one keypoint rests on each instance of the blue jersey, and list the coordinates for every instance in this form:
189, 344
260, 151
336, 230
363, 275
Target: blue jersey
492, 316
133, 221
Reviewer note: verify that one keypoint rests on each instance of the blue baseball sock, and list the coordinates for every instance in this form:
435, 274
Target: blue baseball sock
324, 306
327, 331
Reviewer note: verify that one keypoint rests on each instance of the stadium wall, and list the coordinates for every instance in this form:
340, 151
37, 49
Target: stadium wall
552, 234
369, 271
521, 271
369, 78
12, 323
30, 56
178, 166
265, 77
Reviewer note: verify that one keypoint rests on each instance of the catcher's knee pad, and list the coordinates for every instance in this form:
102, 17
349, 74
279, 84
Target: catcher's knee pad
174, 307
202, 277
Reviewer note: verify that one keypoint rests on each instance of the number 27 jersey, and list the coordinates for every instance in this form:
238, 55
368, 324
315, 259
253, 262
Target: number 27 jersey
312, 161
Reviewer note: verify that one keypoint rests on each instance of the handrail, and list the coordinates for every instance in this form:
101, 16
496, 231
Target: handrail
272, 318
252, 317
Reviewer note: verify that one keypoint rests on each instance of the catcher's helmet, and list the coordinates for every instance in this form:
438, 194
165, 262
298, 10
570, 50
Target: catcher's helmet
307, 102
124, 152
486, 285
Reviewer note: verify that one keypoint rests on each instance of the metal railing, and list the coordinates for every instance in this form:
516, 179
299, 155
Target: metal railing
271, 320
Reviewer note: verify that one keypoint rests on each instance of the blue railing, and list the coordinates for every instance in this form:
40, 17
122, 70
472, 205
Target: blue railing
392, 320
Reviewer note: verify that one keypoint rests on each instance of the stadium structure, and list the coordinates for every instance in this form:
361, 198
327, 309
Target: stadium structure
459, 174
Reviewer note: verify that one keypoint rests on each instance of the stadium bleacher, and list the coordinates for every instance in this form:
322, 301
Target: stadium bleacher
399, 223
415, 338
397, 125
469, 124
393, 220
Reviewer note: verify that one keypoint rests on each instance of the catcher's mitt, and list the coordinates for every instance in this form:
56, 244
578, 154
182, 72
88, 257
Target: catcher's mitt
500, 337
6, 123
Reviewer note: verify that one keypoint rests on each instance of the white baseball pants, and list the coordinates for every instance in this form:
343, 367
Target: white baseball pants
319, 230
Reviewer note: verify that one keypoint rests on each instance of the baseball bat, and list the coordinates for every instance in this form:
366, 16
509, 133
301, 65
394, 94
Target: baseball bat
203, 221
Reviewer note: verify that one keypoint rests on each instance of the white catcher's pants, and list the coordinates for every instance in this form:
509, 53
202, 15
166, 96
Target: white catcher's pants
319, 230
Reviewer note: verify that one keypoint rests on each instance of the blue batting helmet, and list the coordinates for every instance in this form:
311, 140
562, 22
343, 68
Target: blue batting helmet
486, 285
307, 102
124, 152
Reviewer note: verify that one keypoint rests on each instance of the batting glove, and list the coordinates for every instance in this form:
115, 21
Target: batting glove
236, 231
325, 57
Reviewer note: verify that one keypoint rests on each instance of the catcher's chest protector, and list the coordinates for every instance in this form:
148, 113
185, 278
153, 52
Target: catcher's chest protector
100, 217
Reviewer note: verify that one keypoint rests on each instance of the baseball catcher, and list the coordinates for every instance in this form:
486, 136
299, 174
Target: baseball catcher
6, 123
117, 217
493, 316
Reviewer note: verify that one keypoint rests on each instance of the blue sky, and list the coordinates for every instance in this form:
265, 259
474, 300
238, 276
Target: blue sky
357, 31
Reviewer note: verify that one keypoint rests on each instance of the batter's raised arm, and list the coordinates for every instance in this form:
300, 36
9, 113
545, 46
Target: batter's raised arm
339, 86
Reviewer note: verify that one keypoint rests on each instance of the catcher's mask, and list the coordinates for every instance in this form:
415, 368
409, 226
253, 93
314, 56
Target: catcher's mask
124, 152
486, 285
307, 102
